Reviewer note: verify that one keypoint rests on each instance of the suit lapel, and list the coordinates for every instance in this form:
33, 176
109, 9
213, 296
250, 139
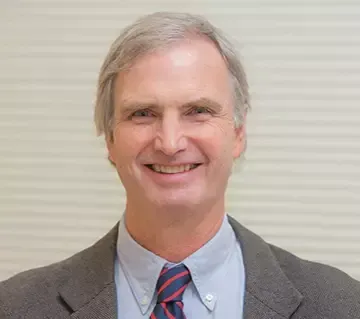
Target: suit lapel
89, 291
269, 293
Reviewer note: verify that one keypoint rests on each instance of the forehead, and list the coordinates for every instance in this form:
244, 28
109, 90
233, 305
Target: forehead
187, 70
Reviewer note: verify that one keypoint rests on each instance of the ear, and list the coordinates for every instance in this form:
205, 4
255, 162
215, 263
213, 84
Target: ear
240, 139
111, 150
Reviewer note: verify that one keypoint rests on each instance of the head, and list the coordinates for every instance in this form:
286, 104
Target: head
172, 101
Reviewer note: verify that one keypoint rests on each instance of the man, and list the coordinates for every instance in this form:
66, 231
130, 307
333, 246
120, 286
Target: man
172, 102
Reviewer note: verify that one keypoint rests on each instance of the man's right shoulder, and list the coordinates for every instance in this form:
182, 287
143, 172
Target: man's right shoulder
39, 293
33, 293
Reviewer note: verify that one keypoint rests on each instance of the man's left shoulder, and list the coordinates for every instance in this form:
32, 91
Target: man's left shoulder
325, 288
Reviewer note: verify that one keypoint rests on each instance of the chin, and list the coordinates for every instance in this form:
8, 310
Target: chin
183, 201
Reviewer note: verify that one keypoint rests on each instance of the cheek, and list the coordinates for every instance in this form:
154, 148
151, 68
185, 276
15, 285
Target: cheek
219, 139
130, 141
216, 148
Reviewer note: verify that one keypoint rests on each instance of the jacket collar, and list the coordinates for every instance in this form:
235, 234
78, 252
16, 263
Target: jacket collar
90, 292
269, 293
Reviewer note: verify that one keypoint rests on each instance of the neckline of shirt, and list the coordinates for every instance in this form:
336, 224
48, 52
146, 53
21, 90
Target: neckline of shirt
142, 267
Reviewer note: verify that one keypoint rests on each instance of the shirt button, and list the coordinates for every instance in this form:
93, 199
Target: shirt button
209, 297
144, 300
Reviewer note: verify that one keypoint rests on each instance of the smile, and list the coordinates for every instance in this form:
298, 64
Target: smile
172, 169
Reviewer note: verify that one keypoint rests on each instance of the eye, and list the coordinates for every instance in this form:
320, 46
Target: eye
199, 110
142, 113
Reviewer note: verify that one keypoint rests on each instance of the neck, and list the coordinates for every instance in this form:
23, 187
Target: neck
173, 234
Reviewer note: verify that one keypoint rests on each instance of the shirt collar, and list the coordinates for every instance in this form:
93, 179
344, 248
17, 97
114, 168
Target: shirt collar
208, 264
142, 267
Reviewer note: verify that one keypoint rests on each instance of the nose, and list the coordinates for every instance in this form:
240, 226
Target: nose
170, 138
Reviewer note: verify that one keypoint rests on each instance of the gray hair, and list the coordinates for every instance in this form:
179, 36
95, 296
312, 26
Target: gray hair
157, 31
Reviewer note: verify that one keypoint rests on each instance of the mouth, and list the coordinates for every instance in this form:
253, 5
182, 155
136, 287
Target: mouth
163, 169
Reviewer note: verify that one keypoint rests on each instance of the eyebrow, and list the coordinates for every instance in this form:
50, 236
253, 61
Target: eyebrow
128, 106
204, 102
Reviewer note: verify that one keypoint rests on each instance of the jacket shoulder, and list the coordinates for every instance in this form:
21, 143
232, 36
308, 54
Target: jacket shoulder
34, 293
39, 293
327, 291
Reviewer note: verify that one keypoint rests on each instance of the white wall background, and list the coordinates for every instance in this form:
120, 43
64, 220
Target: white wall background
300, 187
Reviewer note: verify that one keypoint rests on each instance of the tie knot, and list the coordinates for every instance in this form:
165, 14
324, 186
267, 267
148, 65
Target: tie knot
172, 283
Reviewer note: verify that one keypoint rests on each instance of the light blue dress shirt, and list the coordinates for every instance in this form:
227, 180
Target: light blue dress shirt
218, 278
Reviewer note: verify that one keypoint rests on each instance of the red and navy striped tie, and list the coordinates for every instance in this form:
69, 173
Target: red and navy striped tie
170, 288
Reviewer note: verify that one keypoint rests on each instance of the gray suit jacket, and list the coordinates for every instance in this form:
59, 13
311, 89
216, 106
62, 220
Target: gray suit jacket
278, 285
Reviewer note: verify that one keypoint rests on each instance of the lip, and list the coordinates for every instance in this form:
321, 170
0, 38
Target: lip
174, 165
166, 179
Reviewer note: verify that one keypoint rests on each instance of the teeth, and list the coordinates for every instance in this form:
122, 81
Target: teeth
172, 169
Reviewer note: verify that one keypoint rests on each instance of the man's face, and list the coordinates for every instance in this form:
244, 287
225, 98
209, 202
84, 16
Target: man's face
174, 138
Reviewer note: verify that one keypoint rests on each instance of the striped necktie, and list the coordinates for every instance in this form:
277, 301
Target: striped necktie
170, 288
